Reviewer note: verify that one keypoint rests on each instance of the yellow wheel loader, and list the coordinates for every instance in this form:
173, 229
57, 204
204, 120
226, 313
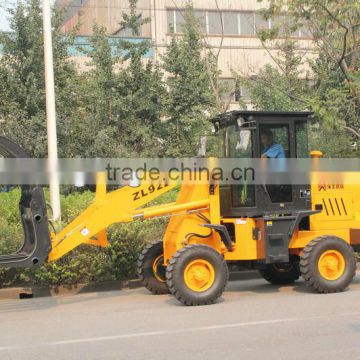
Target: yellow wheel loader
284, 231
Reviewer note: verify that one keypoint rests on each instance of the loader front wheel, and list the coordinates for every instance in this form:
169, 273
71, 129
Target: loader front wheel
151, 268
328, 264
197, 275
282, 273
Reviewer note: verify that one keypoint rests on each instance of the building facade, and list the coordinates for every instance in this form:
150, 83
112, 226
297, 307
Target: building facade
229, 27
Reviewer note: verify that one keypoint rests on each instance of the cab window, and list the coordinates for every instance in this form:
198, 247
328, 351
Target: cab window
274, 141
240, 145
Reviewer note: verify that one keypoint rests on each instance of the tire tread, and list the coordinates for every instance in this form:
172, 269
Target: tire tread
311, 276
172, 285
154, 288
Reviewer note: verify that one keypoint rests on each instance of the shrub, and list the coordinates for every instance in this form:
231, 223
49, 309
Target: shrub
87, 263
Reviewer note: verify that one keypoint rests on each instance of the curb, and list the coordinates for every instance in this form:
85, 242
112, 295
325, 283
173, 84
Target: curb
67, 290
79, 289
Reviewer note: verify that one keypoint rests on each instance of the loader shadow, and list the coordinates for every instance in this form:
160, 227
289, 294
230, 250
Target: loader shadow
356, 279
261, 286
174, 302
251, 287
241, 287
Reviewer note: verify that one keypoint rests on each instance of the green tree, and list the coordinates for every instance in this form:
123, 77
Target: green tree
119, 99
94, 131
331, 90
122, 96
190, 99
277, 88
334, 28
140, 92
22, 84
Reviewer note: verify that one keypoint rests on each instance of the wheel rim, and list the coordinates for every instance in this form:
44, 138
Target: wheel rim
199, 275
331, 265
159, 268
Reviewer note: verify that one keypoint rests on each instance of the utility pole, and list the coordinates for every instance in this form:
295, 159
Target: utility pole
51, 112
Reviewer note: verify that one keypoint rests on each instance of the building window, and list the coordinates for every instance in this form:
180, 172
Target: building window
171, 20
243, 23
231, 25
127, 32
305, 32
281, 24
227, 89
231, 91
179, 21
261, 23
215, 22
200, 16
244, 94
237, 91
284, 26
247, 23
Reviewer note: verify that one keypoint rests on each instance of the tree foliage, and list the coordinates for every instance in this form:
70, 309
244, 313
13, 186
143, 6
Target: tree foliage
190, 99
122, 105
329, 69
279, 88
22, 84
334, 27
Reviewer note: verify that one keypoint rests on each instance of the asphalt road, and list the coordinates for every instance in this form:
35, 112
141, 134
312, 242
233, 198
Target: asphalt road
253, 320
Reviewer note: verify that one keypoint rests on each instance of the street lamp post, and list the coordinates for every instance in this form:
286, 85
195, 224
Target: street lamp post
51, 112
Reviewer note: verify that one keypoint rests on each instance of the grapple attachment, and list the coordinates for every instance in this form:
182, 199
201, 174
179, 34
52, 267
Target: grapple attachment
37, 244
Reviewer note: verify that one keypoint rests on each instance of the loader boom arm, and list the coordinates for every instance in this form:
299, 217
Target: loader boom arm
120, 206
124, 205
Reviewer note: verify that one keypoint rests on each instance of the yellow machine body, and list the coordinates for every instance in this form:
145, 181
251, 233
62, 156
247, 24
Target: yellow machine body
340, 216
283, 231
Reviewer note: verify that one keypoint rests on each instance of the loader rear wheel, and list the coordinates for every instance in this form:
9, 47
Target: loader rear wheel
282, 273
328, 264
197, 275
151, 268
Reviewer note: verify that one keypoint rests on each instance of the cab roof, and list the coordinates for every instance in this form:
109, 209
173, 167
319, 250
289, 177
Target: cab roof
250, 116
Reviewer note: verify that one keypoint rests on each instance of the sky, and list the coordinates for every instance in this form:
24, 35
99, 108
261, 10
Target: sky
4, 4
4, 26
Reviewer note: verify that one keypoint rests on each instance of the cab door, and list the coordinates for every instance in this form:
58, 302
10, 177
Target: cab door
238, 199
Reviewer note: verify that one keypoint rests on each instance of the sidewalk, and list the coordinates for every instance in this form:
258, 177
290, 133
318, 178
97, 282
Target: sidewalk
63, 290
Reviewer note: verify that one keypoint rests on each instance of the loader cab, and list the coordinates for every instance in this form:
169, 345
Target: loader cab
261, 135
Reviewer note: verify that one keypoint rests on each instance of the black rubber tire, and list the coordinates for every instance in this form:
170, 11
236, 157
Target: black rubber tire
175, 275
282, 274
309, 264
145, 269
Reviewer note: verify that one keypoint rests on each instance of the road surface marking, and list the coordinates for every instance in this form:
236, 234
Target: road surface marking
177, 332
